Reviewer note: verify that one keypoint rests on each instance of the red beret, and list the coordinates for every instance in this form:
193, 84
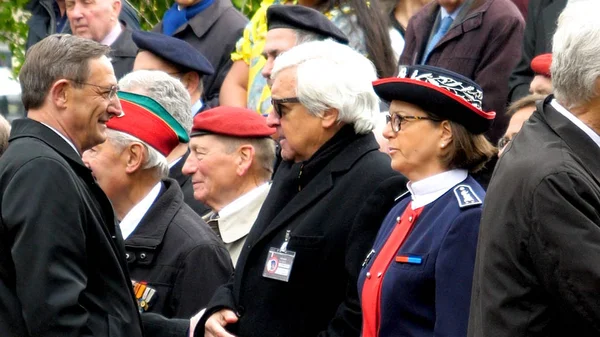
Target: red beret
231, 121
541, 64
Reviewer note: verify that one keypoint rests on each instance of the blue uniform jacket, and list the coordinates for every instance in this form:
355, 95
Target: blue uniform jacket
431, 298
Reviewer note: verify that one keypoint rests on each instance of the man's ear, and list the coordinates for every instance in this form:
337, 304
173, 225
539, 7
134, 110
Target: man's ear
245, 156
116, 6
191, 80
61, 93
329, 118
135, 155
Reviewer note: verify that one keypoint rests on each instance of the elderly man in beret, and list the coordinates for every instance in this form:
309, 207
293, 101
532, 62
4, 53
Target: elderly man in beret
287, 26
174, 259
296, 275
231, 166
178, 59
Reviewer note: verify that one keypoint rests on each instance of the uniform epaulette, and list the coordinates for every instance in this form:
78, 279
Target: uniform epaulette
466, 197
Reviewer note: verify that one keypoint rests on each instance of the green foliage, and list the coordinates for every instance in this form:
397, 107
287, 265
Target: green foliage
13, 21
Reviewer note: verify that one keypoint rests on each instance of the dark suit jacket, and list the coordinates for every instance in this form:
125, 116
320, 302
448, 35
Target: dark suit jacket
123, 52
542, 16
214, 32
62, 263
175, 253
537, 270
185, 183
482, 44
320, 297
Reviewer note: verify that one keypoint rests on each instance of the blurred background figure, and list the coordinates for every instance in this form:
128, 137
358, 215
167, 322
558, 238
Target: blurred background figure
98, 20
542, 82
210, 26
537, 270
244, 86
50, 17
4, 134
519, 112
323, 107
174, 260
231, 166
478, 39
540, 25
416, 281
399, 13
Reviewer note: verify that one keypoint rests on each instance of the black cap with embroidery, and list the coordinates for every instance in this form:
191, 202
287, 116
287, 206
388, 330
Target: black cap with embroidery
303, 18
173, 50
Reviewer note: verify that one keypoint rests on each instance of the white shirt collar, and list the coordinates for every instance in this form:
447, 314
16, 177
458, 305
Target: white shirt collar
245, 206
63, 137
113, 35
196, 107
588, 131
135, 215
174, 162
428, 190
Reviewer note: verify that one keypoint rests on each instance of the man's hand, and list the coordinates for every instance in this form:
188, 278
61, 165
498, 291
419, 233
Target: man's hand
215, 325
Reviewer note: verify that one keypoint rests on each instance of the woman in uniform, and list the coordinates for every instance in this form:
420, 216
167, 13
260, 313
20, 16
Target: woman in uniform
416, 281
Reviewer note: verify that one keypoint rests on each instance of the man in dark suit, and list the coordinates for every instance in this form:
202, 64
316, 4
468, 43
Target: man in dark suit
539, 27
63, 270
175, 260
178, 59
99, 20
211, 26
331, 164
478, 39
537, 269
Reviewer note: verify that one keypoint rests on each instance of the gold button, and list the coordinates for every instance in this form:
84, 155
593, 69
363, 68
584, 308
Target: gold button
368, 275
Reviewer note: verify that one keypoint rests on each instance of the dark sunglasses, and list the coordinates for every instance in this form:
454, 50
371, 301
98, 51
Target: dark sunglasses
277, 104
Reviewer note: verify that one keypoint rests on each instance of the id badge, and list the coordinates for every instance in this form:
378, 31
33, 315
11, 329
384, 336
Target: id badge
279, 262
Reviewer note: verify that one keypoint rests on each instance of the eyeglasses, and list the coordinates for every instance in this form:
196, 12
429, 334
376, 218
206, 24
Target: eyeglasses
278, 102
502, 142
111, 91
397, 120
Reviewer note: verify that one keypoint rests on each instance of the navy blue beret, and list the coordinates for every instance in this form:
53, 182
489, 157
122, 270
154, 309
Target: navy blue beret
303, 18
173, 50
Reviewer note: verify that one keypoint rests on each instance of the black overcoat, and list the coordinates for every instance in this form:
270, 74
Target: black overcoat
176, 254
320, 297
537, 270
62, 263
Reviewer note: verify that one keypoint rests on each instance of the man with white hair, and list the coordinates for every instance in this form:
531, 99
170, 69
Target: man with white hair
175, 261
98, 20
537, 270
296, 275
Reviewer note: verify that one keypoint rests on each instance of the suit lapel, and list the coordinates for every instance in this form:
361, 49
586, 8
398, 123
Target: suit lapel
176, 173
202, 22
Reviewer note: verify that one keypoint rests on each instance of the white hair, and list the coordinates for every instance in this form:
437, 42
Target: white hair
166, 90
333, 75
576, 53
154, 160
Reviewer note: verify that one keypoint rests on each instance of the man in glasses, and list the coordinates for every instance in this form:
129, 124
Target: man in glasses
63, 270
178, 59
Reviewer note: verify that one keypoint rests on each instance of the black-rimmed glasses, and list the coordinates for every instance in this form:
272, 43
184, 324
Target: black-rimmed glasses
278, 102
397, 120
111, 91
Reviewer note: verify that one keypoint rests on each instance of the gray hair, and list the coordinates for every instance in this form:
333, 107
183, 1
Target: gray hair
58, 56
4, 134
166, 90
332, 75
303, 36
264, 152
576, 54
154, 160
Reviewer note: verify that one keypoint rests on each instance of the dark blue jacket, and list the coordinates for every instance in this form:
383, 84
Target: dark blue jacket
431, 298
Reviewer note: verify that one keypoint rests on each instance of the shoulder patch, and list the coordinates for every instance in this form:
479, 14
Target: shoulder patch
466, 197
